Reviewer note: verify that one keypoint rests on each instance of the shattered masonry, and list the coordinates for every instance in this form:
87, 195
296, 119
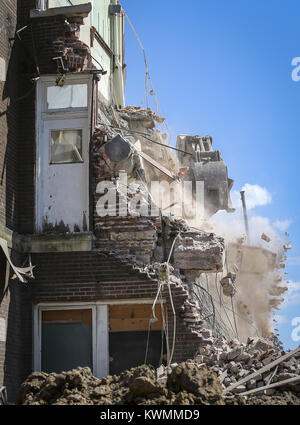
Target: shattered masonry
134, 276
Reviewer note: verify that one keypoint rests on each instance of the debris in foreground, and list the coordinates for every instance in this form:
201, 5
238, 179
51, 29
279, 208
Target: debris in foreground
187, 383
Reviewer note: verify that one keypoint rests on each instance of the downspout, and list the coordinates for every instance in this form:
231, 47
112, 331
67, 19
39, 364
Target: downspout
118, 83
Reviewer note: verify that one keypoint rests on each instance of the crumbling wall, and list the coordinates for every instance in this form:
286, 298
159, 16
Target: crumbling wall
144, 240
223, 285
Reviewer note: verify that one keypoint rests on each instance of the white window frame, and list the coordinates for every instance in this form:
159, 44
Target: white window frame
100, 329
82, 145
69, 82
44, 4
71, 79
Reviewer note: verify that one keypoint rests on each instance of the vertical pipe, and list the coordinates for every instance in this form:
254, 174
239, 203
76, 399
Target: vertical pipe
245, 215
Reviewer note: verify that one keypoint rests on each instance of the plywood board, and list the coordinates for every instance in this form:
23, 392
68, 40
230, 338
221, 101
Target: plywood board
133, 317
83, 316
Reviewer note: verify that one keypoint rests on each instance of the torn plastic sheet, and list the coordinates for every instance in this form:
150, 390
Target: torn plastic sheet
19, 271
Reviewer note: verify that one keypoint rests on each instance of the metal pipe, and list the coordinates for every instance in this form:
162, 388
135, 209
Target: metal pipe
245, 215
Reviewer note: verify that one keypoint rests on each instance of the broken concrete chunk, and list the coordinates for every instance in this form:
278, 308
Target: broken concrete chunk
199, 251
233, 354
265, 237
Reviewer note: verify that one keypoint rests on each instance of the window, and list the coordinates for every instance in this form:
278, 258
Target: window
66, 146
129, 332
97, 335
66, 339
68, 96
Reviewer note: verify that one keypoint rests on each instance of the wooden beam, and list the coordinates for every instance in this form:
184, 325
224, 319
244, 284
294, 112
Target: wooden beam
262, 370
276, 384
157, 165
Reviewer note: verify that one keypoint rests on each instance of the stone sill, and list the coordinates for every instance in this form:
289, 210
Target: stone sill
75, 242
82, 10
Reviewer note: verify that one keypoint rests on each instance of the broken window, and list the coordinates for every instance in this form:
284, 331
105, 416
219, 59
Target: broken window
66, 146
68, 96
66, 339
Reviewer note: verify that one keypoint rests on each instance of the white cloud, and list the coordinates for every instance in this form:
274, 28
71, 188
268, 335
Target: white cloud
282, 225
255, 196
293, 261
259, 225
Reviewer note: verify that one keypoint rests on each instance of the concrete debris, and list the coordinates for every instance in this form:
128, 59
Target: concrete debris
228, 284
241, 359
287, 246
265, 237
199, 251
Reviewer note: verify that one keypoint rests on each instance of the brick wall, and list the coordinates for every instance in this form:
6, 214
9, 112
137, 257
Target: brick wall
14, 304
89, 276
41, 41
16, 351
8, 116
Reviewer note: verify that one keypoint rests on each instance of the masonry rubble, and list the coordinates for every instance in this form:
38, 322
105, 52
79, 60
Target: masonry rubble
233, 360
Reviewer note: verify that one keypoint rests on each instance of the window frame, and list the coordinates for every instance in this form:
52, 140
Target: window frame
58, 119
100, 328
70, 81
58, 110
82, 146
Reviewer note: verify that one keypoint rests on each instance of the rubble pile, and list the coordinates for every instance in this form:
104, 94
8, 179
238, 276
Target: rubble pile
200, 381
233, 361
186, 384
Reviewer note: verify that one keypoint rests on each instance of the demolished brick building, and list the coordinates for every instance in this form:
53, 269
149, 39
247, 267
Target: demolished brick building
116, 289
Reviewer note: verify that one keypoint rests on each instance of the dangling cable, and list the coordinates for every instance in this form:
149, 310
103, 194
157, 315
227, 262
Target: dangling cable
234, 317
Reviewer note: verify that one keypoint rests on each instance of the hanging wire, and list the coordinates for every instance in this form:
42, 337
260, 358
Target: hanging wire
145, 61
212, 302
146, 136
147, 345
147, 76
165, 326
224, 308
237, 335
171, 299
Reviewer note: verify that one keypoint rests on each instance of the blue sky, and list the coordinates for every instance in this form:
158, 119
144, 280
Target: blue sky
224, 68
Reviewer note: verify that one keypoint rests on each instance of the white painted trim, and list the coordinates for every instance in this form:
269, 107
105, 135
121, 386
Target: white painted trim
36, 339
65, 115
37, 326
94, 340
102, 345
